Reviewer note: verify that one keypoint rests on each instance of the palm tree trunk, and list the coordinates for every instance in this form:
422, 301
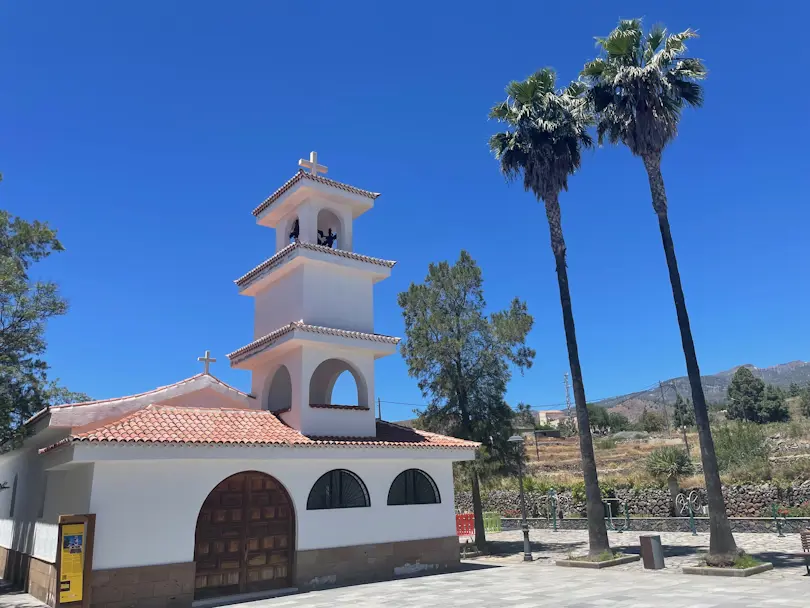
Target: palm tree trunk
672, 484
478, 511
597, 530
721, 540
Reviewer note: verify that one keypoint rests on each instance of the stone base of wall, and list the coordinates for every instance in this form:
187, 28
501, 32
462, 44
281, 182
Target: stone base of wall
29, 573
365, 563
42, 581
163, 586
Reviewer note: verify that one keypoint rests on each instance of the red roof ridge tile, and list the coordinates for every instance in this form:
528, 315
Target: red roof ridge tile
301, 174
268, 339
278, 258
154, 390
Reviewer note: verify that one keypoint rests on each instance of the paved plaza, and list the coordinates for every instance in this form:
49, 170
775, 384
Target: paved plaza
680, 549
504, 580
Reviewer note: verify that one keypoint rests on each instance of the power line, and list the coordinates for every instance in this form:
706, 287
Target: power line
403, 403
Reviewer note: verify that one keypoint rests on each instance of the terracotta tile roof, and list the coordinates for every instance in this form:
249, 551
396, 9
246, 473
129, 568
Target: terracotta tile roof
156, 390
267, 340
315, 178
282, 255
163, 424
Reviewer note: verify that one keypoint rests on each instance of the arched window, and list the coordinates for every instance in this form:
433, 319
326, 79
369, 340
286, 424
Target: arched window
413, 487
338, 489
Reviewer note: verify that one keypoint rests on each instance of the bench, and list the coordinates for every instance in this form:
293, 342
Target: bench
805, 552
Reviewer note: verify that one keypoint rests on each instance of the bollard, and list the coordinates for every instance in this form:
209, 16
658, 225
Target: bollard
552, 501
626, 517
652, 553
776, 519
692, 520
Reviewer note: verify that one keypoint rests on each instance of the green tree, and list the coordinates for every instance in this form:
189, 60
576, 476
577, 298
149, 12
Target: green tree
794, 390
639, 87
745, 395
524, 416
25, 307
684, 412
651, 421
774, 406
670, 463
598, 417
546, 130
804, 402
462, 360
617, 422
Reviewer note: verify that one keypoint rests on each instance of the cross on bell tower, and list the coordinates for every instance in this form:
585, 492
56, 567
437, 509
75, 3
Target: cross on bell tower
312, 164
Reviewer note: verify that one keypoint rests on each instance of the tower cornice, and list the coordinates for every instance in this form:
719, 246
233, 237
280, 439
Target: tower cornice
291, 250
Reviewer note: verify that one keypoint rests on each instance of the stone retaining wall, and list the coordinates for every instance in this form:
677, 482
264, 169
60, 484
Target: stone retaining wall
749, 500
666, 524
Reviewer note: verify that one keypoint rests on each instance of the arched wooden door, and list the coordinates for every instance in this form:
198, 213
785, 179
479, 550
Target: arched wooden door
245, 537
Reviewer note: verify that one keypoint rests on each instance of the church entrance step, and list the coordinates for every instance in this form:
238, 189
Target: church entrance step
213, 602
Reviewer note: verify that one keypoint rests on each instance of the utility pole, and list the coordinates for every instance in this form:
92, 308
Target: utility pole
664, 405
379, 409
683, 427
567, 395
686, 442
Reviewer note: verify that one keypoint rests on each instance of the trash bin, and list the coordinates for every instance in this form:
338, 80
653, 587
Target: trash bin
652, 553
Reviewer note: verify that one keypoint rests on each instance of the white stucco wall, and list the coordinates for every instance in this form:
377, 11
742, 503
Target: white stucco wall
147, 510
319, 293
65, 492
335, 296
279, 305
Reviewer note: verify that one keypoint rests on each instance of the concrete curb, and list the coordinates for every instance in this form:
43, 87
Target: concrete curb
734, 572
573, 563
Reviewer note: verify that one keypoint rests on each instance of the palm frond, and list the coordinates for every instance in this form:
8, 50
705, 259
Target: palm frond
654, 39
594, 68
547, 130
640, 84
690, 69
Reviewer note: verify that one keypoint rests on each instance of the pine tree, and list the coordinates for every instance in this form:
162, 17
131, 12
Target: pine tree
745, 396
684, 412
774, 407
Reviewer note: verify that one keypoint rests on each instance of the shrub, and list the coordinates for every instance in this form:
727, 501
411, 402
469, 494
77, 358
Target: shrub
618, 422
651, 422
740, 445
669, 462
804, 402
606, 444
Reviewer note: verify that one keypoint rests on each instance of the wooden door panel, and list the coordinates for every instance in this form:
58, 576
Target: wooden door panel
244, 537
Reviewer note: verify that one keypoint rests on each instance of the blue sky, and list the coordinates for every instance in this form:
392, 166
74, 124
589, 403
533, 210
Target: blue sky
146, 133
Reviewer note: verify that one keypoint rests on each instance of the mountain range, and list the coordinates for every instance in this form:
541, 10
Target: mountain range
715, 387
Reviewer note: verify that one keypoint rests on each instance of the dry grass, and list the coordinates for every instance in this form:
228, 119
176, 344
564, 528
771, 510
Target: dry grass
556, 462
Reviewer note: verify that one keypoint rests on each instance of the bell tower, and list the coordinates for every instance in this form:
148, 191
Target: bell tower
313, 313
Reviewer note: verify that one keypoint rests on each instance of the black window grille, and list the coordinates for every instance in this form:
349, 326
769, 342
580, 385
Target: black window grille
413, 487
338, 489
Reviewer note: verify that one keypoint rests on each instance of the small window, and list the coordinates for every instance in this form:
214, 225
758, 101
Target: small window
338, 489
413, 487
13, 497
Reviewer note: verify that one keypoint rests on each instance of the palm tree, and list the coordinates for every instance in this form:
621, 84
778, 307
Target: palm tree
639, 86
546, 132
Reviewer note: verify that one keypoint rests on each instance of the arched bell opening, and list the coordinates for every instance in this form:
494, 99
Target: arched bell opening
326, 375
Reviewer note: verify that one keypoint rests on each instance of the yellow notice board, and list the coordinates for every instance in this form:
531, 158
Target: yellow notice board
72, 547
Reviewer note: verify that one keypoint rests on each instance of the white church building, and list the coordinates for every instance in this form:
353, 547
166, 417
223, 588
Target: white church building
200, 490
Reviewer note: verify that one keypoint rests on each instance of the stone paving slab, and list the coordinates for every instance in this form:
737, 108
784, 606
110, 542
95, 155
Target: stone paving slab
532, 584
680, 549
505, 581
